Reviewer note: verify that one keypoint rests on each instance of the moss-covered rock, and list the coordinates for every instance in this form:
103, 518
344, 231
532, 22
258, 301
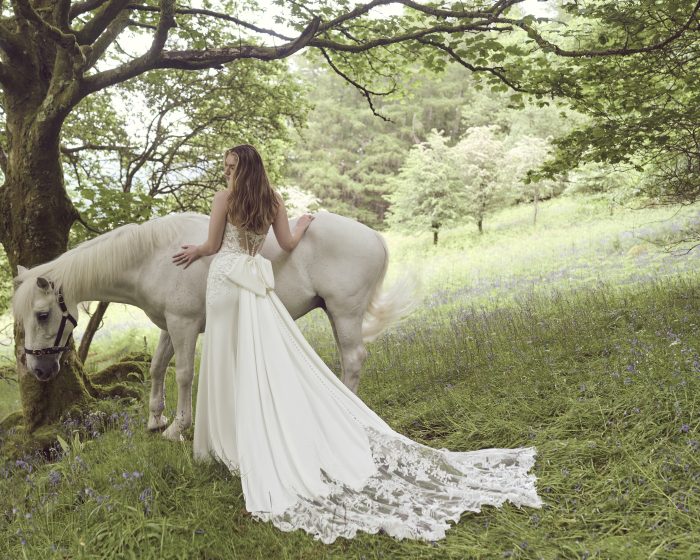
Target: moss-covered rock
8, 372
12, 420
122, 371
137, 357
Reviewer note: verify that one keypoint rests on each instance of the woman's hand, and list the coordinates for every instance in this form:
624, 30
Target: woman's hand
187, 256
304, 221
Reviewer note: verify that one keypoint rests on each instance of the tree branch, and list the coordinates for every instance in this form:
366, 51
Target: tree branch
10, 42
84, 7
494, 71
215, 15
65, 40
547, 46
134, 23
196, 59
95, 147
60, 14
488, 14
87, 226
107, 13
491, 13
362, 89
165, 24
413, 35
110, 35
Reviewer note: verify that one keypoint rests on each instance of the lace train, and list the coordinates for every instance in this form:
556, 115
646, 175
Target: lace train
414, 493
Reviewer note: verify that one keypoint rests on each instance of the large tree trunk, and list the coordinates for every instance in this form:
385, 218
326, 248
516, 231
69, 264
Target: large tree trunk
35, 218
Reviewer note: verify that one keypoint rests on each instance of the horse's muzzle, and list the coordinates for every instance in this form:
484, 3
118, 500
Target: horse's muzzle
46, 372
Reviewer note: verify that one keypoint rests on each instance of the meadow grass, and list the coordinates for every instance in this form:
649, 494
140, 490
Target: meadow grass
601, 377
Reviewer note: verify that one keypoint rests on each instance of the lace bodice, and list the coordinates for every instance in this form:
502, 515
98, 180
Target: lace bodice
236, 243
238, 240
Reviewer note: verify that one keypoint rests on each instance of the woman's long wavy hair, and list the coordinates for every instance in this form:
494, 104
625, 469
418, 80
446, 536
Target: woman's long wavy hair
252, 204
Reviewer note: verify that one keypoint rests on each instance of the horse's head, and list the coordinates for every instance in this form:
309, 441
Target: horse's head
48, 322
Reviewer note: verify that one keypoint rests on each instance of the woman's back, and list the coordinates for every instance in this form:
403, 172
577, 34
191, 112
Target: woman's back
237, 239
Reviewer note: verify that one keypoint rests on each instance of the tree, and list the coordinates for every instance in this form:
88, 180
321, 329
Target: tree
478, 169
158, 156
425, 197
348, 157
528, 153
345, 155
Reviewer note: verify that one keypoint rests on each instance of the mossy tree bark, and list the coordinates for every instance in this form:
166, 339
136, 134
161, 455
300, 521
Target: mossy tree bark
37, 214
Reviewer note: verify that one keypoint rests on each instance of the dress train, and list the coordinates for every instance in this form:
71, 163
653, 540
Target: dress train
311, 454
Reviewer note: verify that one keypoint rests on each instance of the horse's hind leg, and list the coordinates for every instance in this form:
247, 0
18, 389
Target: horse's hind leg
159, 365
348, 335
183, 333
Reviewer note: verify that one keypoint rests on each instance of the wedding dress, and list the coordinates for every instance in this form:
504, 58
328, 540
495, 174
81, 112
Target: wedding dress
311, 455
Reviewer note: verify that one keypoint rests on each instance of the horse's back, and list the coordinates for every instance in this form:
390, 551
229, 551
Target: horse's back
338, 259
168, 290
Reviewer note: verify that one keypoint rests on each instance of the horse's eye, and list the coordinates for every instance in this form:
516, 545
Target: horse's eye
42, 315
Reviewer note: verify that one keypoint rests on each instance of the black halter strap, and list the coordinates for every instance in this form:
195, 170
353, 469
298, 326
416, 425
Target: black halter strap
57, 348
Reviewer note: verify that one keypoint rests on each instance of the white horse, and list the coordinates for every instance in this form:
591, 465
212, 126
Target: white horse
339, 266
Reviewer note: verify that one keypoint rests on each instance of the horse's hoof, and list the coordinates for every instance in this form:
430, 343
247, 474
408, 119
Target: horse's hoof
173, 433
157, 423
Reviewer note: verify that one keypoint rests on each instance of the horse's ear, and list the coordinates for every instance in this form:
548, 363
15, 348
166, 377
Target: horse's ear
43, 284
16, 280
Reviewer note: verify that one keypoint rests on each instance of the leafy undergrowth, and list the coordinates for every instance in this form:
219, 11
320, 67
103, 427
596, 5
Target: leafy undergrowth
604, 382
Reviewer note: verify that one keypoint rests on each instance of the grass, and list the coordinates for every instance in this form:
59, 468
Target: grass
602, 378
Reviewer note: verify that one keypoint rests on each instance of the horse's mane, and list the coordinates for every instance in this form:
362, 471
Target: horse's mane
98, 260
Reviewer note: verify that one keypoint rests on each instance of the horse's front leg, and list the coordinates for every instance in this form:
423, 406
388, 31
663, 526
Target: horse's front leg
183, 334
159, 365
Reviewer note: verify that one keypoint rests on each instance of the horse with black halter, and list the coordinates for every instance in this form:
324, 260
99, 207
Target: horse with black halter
339, 266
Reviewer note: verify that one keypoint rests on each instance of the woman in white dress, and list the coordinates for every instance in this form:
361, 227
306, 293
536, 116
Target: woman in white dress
311, 455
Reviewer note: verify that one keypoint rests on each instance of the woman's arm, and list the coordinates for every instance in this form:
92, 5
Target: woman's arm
217, 224
280, 226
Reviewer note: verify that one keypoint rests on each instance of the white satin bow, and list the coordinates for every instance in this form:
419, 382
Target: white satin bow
253, 273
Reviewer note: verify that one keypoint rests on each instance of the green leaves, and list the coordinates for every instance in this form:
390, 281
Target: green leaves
155, 145
640, 106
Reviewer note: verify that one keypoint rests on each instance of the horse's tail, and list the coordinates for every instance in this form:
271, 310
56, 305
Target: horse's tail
389, 306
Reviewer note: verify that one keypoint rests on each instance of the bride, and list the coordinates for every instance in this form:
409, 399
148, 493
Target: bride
311, 455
